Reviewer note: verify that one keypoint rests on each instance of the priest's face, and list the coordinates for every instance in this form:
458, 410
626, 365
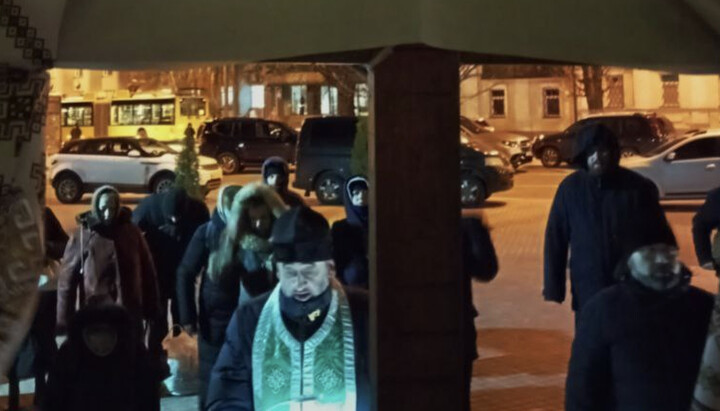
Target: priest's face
303, 281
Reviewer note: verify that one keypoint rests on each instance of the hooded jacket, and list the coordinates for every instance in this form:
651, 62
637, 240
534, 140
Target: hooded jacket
242, 254
168, 240
638, 349
290, 198
82, 381
350, 240
107, 263
705, 221
217, 301
590, 217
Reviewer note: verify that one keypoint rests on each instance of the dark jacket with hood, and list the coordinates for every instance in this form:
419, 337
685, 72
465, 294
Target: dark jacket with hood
217, 300
107, 262
350, 241
638, 349
242, 254
231, 387
479, 263
279, 165
705, 221
122, 381
590, 217
168, 240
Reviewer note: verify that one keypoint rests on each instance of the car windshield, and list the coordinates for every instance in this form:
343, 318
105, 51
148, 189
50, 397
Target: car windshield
472, 126
155, 148
662, 147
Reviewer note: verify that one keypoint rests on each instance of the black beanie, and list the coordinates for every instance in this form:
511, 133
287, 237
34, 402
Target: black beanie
301, 235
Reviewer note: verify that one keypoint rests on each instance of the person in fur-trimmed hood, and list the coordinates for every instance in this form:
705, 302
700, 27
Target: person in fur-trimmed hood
245, 250
107, 260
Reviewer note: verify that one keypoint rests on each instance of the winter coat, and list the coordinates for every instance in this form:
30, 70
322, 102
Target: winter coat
290, 198
590, 216
107, 262
168, 240
636, 349
231, 387
350, 242
479, 263
705, 221
241, 253
122, 381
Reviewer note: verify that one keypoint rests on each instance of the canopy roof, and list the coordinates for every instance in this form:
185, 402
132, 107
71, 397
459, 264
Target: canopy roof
673, 35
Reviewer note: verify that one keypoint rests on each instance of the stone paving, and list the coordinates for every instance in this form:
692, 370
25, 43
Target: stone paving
524, 342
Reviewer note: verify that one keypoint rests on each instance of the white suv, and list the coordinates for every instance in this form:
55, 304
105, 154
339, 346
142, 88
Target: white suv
129, 164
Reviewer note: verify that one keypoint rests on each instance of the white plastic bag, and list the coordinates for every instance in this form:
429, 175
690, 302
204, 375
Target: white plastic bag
183, 361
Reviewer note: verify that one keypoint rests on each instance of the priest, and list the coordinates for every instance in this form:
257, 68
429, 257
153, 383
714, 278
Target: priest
302, 346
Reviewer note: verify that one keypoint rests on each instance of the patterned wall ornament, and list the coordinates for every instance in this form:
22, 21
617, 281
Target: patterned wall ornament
23, 99
17, 28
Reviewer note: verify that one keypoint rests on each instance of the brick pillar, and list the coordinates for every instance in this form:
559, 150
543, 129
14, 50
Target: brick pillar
415, 281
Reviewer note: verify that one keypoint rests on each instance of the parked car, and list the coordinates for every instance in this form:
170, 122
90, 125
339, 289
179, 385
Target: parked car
238, 142
637, 134
323, 163
685, 168
128, 163
517, 147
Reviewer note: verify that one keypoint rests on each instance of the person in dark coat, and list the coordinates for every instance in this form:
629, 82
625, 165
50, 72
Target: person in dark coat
480, 264
107, 259
639, 343
308, 312
594, 210
705, 221
102, 365
350, 235
217, 301
38, 351
276, 174
168, 221
245, 251
75, 133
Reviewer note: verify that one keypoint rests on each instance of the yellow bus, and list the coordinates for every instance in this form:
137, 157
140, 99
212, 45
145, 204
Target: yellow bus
163, 118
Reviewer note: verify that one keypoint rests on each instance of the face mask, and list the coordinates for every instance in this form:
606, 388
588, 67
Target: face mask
100, 339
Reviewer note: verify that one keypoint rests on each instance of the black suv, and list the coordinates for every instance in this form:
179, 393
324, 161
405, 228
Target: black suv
637, 133
323, 163
237, 142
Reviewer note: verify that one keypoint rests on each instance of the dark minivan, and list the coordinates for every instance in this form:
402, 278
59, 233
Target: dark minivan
323, 163
241, 141
637, 134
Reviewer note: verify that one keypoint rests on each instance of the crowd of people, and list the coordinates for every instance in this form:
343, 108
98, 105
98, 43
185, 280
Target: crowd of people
277, 297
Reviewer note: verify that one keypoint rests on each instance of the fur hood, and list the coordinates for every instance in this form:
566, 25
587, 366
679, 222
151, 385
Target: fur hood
239, 205
232, 240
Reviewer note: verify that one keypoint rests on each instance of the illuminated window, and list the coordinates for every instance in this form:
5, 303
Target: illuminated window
145, 112
80, 114
298, 95
497, 103
671, 95
329, 100
361, 99
551, 102
257, 96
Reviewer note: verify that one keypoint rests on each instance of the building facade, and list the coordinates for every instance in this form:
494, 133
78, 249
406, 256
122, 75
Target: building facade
550, 99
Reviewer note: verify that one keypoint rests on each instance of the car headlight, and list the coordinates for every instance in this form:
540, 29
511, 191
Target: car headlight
541, 137
510, 143
493, 153
494, 161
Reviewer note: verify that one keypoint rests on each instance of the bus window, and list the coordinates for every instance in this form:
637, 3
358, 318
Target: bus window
80, 114
192, 107
142, 112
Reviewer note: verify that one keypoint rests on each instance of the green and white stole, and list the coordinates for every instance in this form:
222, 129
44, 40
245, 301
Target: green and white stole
317, 375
